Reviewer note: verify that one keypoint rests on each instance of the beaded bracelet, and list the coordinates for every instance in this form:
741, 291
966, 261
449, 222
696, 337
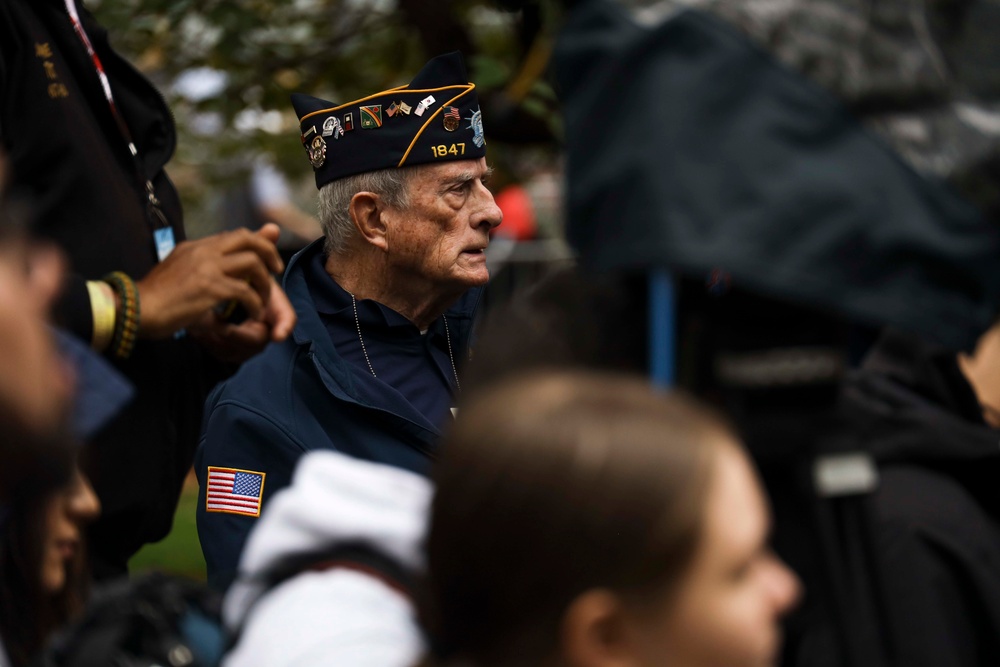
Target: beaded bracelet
127, 325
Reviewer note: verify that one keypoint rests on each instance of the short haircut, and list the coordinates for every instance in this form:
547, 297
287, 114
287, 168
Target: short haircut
335, 201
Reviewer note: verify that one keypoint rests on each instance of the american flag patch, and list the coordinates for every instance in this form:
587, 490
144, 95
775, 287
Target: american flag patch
234, 491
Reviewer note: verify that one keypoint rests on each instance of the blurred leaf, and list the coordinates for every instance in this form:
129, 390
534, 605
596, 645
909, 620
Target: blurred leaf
488, 71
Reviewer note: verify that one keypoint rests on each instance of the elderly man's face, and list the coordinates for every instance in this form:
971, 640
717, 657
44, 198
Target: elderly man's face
441, 237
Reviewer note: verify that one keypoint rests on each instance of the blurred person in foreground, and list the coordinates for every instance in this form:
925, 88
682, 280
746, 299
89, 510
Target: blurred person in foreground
385, 303
590, 520
88, 138
43, 577
45, 500
44, 574
35, 383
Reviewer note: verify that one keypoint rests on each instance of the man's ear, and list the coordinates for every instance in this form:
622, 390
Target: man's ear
596, 632
366, 212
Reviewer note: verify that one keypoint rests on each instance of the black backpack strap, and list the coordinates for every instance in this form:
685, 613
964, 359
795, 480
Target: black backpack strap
356, 556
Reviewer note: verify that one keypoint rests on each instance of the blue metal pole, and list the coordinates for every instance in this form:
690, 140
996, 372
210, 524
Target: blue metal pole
662, 328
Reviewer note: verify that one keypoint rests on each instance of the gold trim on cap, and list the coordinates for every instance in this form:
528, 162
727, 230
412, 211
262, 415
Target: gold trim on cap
471, 87
398, 89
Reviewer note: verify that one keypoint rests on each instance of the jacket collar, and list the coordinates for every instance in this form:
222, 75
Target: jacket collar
310, 326
338, 375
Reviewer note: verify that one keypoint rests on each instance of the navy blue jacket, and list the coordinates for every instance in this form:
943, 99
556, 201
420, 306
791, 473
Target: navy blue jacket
301, 395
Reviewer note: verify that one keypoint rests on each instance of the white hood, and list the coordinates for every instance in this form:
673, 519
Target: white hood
333, 499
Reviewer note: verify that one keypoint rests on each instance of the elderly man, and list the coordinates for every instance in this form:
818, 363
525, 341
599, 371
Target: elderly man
385, 302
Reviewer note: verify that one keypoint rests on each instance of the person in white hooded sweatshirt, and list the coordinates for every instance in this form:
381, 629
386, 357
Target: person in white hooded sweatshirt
340, 613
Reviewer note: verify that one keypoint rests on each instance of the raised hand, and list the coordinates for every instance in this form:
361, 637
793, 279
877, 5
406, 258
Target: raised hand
198, 275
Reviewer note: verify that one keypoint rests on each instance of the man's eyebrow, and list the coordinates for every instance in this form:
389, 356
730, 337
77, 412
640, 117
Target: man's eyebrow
466, 176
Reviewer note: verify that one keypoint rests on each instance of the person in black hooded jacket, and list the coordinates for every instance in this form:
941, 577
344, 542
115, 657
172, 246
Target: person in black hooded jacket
87, 137
927, 416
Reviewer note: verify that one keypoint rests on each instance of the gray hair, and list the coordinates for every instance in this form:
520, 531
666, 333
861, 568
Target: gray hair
335, 200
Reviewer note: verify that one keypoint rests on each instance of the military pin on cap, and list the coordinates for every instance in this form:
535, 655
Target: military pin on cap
451, 118
332, 127
371, 116
424, 104
317, 151
476, 125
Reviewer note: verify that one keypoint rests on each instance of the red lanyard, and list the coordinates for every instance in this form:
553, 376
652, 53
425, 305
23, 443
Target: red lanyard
157, 218
105, 84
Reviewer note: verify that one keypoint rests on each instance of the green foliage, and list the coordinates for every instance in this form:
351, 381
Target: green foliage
180, 552
335, 49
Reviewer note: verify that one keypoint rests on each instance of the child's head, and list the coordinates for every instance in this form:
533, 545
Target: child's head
581, 518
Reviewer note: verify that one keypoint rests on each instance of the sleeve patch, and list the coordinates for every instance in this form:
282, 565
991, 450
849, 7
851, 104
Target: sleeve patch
233, 491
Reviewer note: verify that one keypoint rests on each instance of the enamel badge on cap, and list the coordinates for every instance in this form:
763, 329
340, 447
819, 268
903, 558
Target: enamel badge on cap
371, 117
332, 127
434, 118
451, 118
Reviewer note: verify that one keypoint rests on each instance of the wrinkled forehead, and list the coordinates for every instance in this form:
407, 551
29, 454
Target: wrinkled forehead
449, 172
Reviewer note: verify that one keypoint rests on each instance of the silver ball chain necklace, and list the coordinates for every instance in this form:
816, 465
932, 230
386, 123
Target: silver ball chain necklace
364, 350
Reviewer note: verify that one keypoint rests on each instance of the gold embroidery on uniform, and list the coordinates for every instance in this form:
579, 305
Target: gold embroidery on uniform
57, 88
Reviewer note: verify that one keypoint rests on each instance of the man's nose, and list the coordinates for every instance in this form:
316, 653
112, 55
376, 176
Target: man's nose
490, 213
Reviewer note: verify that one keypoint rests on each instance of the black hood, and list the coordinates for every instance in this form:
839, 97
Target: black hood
910, 403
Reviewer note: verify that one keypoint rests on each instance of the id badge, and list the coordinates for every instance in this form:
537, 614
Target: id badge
164, 237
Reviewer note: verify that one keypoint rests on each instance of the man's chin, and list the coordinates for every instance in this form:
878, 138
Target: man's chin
475, 276
479, 281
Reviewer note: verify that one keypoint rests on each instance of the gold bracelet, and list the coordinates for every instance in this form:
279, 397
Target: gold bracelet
102, 308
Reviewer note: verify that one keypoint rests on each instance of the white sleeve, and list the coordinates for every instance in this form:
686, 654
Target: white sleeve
334, 617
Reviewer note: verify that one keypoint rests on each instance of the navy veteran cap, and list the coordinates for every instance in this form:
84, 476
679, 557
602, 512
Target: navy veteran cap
435, 118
